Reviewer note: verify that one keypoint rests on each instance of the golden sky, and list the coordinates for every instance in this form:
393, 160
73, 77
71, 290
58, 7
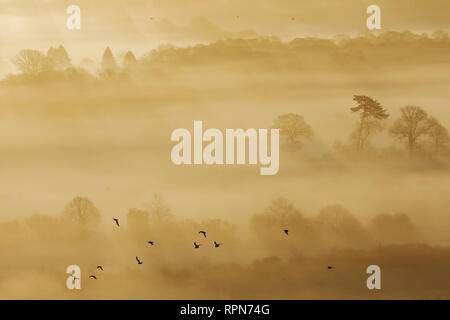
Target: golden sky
106, 137
145, 23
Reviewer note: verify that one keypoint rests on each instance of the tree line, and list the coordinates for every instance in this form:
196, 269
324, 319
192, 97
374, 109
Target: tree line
419, 132
56, 64
299, 54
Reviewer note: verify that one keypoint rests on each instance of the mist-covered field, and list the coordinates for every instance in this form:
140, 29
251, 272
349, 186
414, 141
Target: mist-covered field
80, 147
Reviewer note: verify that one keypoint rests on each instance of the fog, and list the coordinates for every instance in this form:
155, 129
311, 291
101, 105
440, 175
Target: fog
103, 136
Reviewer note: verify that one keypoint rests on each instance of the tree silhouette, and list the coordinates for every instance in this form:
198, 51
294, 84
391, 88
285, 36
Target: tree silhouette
58, 57
412, 125
440, 35
279, 215
45, 227
159, 209
108, 60
339, 225
293, 126
31, 62
270, 225
82, 211
129, 61
371, 112
393, 228
439, 136
283, 210
338, 219
361, 138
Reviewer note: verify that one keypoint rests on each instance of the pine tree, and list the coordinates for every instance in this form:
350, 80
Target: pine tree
108, 60
129, 60
369, 109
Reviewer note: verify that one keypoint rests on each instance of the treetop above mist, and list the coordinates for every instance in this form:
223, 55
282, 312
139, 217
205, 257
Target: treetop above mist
343, 53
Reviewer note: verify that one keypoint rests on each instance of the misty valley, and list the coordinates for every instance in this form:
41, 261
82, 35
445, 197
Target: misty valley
194, 168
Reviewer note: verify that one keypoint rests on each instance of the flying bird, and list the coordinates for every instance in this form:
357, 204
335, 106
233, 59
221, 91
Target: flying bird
139, 261
93, 277
196, 246
100, 267
117, 221
203, 233
151, 243
217, 244
286, 231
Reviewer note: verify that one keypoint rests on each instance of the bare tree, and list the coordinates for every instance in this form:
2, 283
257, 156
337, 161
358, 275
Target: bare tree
439, 136
282, 210
339, 226
281, 214
293, 126
31, 62
159, 209
411, 127
371, 113
82, 211
338, 219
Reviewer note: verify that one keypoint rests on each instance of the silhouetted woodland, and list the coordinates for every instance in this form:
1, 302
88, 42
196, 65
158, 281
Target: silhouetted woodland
370, 52
332, 236
415, 133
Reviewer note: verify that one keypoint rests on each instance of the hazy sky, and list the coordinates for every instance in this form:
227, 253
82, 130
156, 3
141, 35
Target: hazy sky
109, 141
143, 24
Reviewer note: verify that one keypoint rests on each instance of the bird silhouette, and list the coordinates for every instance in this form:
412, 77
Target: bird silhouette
196, 246
93, 277
203, 232
139, 261
286, 231
117, 221
330, 267
100, 267
151, 243
217, 244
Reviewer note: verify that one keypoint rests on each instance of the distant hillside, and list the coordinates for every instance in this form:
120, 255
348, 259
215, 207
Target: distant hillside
384, 51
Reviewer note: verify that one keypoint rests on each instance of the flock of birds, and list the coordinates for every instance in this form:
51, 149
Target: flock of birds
196, 246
